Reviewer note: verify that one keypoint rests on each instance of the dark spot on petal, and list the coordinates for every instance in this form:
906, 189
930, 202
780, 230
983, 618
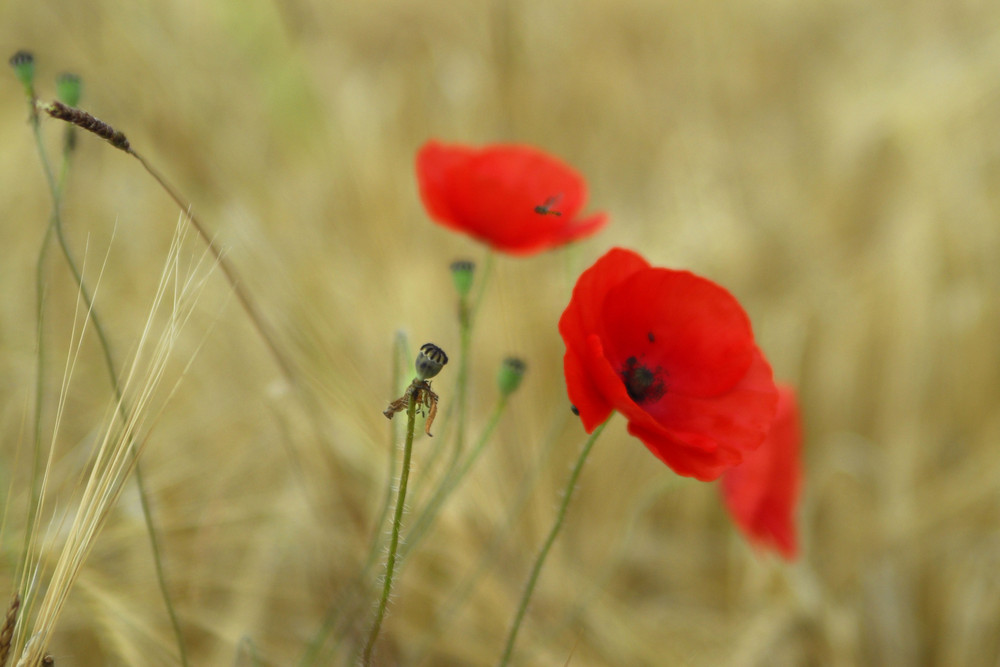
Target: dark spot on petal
651, 337
643, 384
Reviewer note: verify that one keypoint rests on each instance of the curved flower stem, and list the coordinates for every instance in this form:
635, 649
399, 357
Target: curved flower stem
343, 601
467, 311
397, 520
56, 224
549, 541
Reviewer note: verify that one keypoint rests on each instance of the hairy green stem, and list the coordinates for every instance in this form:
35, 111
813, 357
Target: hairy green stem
461, 592
397, 521
400, 358
447, 485
529, 588
467, 309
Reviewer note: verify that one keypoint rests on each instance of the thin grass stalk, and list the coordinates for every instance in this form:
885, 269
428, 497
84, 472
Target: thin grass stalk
536, 569
119, 449
55, 190
397, 521
117, 139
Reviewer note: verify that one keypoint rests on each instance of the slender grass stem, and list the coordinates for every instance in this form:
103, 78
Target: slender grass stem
397, 521
529, 588
55, 190
230, 272
117, 139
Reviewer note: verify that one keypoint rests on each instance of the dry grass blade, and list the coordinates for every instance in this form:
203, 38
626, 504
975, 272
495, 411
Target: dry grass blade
176, 296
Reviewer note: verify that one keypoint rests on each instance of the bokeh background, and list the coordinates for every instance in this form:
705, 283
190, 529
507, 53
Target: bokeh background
834, 163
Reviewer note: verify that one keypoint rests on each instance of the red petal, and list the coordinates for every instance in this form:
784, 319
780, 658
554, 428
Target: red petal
578, 323
437, 167
736, 423
594, 409
762, 493
582, 317
491, 194
691, 327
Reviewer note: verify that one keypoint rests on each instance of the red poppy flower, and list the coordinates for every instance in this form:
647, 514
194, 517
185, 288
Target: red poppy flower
516, 199
675, 354
762, 492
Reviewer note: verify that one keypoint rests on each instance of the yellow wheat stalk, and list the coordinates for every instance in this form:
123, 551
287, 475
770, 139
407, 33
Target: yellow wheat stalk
176, 296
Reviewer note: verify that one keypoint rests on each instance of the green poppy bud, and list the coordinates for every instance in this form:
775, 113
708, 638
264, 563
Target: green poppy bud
68, 89
462, 273
510, 375
24, 67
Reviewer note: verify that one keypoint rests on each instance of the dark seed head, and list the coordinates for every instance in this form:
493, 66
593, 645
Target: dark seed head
430, 360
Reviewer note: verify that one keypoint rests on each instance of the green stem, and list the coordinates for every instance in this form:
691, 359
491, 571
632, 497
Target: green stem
468, 309
397, 521
56, 220
529, 588
400, 357
430, 511
461, 593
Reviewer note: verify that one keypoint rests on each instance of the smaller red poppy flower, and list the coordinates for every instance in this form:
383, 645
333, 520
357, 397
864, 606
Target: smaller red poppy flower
515, 199
675, 354
761, 494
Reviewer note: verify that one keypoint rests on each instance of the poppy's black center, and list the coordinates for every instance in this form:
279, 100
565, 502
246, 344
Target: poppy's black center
643, 384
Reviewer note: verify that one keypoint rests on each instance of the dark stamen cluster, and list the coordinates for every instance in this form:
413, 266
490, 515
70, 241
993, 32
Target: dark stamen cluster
644, 385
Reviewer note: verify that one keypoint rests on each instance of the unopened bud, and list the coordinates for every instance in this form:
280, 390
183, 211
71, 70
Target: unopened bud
23, 63
462, 274
68, 89
510, 375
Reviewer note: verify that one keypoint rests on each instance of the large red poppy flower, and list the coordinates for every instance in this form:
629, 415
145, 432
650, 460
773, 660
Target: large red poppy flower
675, 354
761, 493
516, 199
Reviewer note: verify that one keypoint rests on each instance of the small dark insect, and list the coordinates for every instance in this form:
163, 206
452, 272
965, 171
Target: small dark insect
575, 410
546, 208
651, 337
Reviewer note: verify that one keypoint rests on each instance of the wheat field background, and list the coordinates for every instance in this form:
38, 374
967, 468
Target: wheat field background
835, 164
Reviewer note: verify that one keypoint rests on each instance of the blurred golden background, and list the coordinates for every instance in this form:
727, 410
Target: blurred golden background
834, 164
